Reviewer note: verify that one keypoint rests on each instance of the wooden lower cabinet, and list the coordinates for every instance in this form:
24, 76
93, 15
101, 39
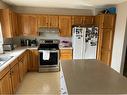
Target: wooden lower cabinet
23, 65
65, 54
15, 77
33, 60
11, 77
5, 85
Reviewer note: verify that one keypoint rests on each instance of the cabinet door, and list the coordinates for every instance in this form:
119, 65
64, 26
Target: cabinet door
65, 54
53, 21
65, 26
5, 85
13, 22
34, 59
25, 63
97, 20
107, 42
29, 25
7, 24
33, 25
107, 21
25, 25
87, 20
42, 21
76, 20
15, 77
21, 69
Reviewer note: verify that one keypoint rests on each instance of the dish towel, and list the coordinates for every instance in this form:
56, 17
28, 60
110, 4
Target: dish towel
46, 55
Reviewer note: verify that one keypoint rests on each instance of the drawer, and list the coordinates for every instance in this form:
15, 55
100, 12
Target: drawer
66, 51
65, 57
65, 54
13, 63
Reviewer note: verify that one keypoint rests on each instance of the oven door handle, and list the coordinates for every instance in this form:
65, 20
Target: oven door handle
48, 50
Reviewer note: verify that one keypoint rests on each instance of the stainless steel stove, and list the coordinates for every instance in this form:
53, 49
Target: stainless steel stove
48, 55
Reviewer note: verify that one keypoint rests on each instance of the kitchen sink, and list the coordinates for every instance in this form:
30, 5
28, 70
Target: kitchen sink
4, 59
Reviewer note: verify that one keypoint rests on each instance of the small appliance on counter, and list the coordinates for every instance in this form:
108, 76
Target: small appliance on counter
33, 43
65, 43
8, 47
28, 42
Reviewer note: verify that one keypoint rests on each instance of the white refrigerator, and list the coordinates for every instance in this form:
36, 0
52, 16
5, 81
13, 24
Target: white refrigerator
84, 42
1, 40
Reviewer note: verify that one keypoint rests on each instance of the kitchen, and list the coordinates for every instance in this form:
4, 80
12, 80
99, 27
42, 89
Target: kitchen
23, 26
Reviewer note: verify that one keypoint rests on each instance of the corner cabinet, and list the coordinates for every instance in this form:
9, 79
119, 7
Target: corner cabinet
11, 76
33, 60
106, 24
65, 26
9, 23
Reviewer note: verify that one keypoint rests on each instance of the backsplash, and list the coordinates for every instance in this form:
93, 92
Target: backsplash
17, 40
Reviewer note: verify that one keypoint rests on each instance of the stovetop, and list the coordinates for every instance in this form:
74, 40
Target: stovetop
48, 44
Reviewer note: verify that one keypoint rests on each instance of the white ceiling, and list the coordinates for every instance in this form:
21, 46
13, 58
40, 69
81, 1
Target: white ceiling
63, 3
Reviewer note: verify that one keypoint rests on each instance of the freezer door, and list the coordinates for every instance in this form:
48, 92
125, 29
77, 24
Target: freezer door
77, 42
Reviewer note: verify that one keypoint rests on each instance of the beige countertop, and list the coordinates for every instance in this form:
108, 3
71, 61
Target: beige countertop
92, 77
15, 53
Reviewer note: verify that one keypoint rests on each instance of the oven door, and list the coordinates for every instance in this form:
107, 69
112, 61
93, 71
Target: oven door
53, 59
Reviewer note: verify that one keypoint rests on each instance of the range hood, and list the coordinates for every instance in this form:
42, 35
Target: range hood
48, 29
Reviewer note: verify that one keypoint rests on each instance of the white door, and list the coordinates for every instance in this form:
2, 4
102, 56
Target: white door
77, 42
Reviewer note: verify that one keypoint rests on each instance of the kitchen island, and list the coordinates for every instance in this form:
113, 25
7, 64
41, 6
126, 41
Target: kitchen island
92, 77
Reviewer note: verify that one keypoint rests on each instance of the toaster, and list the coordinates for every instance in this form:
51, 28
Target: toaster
8, 47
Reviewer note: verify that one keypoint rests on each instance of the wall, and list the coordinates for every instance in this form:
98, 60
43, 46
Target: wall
119, 38
60, 11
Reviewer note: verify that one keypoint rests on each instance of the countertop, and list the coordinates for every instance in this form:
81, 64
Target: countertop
65, 47
92, 77
15, 53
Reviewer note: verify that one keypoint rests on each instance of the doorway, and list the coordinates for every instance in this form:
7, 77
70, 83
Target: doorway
125, 64
125, 53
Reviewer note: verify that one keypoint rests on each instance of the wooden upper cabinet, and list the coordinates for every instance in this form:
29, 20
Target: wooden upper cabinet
97, 20
29, 25
33, 24
9, 23
82, 20
53, 21
88, 20
106, 20
42, 20
77, 20
48, 21
65, 26
6, 24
